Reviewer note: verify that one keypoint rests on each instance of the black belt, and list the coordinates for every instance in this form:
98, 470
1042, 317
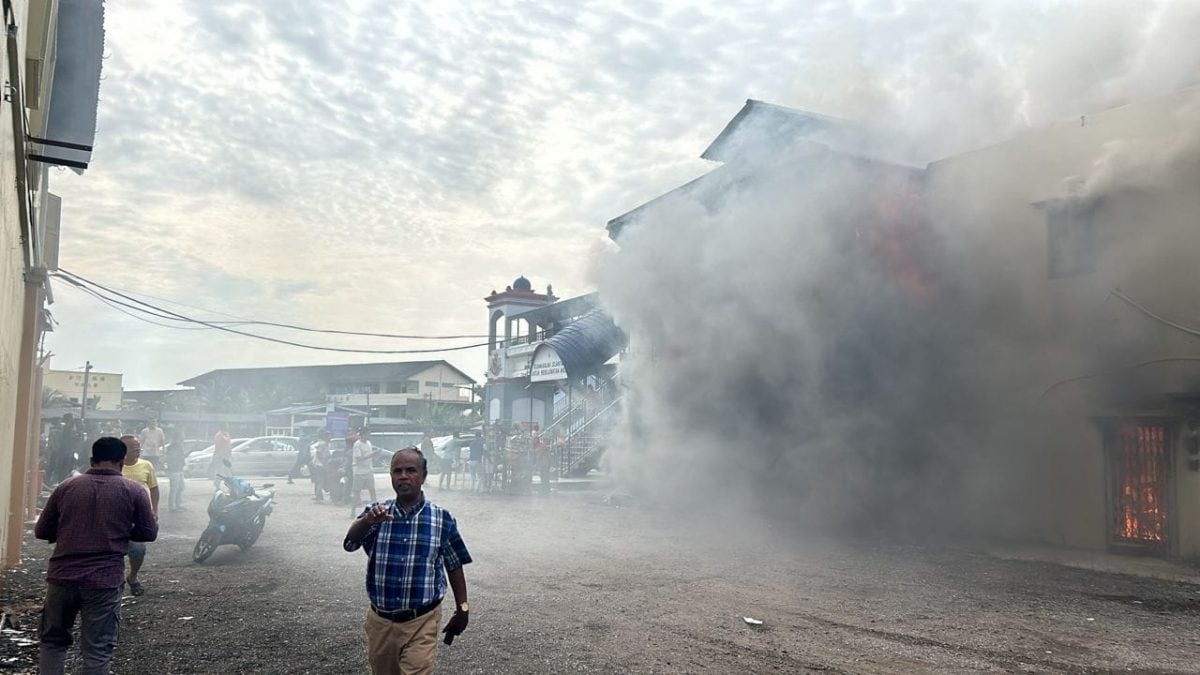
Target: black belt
402, 615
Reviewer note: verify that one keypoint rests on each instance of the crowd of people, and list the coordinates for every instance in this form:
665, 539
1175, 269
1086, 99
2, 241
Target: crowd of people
97, 518
343, 471
65, 449
87, 574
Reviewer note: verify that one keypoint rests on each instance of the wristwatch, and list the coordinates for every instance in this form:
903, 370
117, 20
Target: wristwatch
463, 608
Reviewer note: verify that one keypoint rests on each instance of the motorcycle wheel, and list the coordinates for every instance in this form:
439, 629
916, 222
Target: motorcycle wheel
256, 529
208, 543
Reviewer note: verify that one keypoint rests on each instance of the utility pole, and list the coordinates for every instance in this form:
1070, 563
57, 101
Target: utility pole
87, 369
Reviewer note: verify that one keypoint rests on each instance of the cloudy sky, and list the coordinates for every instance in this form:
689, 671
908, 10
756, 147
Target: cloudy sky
383, 165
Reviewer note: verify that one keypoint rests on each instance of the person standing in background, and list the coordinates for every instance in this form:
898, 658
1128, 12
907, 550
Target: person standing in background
222, 450
153, 442
363, 456
475, 461
303, 459
142, 472
320, 465
176, 454
449, 458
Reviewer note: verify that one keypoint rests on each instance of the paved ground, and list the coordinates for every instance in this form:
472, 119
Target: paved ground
568, 583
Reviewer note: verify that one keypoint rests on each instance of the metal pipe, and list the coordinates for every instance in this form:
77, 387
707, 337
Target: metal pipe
17, 108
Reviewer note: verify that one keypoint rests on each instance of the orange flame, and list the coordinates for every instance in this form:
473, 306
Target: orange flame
1141, 508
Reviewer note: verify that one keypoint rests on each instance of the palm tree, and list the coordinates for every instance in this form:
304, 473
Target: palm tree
435, 415
53, 398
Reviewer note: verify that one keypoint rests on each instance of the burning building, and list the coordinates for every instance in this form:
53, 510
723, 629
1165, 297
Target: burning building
1080, 239
994, 342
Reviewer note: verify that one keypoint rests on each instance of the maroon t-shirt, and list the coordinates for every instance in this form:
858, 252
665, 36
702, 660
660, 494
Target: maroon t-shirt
91, 519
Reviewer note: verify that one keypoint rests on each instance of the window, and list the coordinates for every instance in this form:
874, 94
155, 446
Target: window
395, 387
1070, 239
431, 383
412, 386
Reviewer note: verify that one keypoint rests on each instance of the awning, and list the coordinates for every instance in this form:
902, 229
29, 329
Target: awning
579, 349
76, 89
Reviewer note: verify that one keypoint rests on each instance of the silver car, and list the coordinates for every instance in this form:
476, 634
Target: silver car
262, 456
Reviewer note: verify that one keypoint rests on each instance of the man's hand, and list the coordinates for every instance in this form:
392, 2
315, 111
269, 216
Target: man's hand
455, 626
377, 514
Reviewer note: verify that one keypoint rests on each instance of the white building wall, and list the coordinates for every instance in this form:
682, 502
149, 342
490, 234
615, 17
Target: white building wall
989, 208
12, 291
105, 386
447, 385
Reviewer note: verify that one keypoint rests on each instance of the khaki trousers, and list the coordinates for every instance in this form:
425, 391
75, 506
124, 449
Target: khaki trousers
408, 648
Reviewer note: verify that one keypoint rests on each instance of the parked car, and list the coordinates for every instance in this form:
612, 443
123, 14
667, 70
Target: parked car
387, 442
197, 461
193, 445
261, 456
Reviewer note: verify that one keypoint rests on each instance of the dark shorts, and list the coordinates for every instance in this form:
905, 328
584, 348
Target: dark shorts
137, 550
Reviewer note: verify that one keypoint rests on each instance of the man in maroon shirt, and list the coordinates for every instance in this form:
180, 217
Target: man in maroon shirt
90, 519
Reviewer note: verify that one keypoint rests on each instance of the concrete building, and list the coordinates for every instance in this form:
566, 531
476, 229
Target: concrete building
552, 370
1090, 230
1073, 250
51, 64
103, 388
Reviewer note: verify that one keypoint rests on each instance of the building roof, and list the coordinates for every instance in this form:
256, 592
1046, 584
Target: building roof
164, 416
134, 393
563, 310
764, 137
760, 130
710, 183
760, 125
339, 372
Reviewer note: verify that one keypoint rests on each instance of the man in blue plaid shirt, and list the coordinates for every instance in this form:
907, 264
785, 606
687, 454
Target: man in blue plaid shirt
408, 542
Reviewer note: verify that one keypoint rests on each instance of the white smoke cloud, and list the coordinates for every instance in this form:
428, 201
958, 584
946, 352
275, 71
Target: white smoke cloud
796, 343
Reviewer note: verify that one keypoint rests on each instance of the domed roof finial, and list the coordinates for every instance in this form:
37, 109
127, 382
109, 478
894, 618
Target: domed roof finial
522, 284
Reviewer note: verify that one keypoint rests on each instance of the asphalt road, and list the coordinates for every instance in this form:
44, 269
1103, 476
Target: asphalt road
567, 583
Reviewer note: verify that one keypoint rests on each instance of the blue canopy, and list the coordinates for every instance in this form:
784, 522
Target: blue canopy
586, 344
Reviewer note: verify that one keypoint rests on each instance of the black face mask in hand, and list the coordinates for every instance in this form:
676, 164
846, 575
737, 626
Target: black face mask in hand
454, 627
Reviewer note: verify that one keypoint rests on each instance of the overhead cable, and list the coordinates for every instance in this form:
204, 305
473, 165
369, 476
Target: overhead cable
1145, 310
82, 283
1124, 297
247, 322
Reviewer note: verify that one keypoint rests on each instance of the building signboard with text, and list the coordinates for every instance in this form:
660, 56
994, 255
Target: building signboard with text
546, 366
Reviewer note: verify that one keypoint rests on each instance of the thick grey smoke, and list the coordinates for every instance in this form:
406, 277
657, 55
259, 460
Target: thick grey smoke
807, 338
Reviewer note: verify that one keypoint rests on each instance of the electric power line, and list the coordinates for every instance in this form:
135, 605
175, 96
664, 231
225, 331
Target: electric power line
66, 274
82, 283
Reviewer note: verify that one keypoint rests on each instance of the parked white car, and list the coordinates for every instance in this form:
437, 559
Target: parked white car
261, 456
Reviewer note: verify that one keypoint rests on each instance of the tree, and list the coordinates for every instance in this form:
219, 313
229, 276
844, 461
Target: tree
53, 398
433, 415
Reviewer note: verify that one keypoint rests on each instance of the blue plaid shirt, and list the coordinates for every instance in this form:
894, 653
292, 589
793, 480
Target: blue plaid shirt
406, 555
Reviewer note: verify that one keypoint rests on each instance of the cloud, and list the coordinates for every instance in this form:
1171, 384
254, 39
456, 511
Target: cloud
400, 159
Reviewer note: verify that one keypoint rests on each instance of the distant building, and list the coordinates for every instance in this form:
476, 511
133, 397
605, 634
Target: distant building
103, 388
396, 390
155, 399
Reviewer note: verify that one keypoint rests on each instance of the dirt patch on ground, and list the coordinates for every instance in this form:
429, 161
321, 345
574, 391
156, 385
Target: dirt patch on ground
568, 582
